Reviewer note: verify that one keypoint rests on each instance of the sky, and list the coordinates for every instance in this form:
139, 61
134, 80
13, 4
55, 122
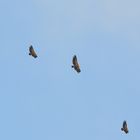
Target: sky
44, 98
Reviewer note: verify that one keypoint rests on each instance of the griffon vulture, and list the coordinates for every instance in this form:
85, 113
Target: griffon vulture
32, 51
75, 65
124, 127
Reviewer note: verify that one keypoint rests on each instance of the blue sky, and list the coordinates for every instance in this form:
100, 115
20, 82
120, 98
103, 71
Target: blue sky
44, 98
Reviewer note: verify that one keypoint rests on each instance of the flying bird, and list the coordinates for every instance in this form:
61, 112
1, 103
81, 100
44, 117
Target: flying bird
32, 51
124, 127
75, 65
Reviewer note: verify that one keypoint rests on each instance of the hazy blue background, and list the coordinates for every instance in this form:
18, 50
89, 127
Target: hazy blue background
44, 98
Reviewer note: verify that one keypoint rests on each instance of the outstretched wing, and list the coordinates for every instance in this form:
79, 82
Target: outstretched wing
124, 124
32, 51
74, 60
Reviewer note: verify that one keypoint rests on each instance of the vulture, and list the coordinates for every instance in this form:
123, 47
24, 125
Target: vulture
124, 127
32, 51
75, 65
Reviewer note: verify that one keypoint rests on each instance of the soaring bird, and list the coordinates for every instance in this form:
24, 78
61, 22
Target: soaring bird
124, 127
75, 65
32, 51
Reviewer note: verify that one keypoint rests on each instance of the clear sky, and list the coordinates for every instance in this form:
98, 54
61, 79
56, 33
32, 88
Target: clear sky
44, 98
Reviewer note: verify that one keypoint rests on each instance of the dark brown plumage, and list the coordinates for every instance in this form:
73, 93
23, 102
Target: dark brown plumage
76, 65
124, 127
32, 52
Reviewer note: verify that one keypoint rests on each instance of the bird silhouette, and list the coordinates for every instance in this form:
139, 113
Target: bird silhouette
32, 52
75, 65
